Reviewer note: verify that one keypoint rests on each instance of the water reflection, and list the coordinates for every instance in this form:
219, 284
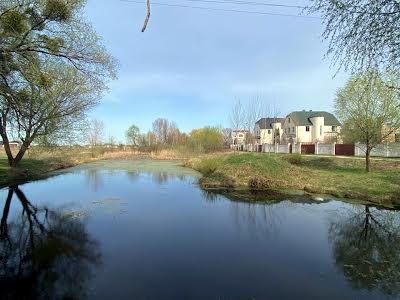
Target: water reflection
43, 253
94, 179
258, 220
366, 248
95, 176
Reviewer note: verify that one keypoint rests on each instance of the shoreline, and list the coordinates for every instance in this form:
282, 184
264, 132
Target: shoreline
336, 177
232, 172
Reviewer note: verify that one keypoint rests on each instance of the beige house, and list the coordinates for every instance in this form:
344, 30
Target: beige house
269, 130
239, 136
310, 127
393, 137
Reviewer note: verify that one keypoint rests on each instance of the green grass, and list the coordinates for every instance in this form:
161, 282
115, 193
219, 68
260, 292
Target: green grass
341, 177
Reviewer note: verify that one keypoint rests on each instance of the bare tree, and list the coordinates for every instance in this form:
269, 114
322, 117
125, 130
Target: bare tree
111, 140
96, 132
256, 109
227, 136
160, 129
236, 116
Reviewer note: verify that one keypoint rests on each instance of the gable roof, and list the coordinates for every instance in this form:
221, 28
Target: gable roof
302, 118
266, 123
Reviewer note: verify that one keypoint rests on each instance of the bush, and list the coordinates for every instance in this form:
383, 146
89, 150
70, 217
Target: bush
207, 139
294, 159
208, 166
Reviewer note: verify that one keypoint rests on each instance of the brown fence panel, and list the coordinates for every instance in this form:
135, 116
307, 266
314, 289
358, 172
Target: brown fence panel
344, 149
308, 148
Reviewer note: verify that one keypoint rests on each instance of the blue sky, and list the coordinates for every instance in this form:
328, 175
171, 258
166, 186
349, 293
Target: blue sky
190, 65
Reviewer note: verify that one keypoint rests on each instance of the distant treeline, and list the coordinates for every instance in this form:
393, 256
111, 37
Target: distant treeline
166, 134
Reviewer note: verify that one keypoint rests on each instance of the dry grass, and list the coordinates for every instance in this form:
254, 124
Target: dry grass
39, 162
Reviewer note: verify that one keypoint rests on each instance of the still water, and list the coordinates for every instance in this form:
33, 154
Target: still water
145, 230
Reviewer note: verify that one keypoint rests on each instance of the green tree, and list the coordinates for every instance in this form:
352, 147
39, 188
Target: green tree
206, 139
361, 33
133, 135
369, 109
53, 69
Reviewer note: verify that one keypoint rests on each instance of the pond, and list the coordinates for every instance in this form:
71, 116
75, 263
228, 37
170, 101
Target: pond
145, 230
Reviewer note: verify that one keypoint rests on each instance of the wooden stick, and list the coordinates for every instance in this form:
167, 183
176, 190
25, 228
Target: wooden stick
147, 16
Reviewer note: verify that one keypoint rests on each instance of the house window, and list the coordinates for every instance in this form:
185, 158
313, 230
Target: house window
293, 129
320, 130
289, 120
333, 128
269, 131
307, 128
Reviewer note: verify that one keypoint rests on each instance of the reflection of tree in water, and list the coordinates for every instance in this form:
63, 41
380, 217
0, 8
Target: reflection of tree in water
94, 178
261, 218
160, 177
133, 176
43, 254
366, 248
163, 177
258, 219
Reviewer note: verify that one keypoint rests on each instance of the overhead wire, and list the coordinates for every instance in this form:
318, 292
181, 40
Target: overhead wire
251, 3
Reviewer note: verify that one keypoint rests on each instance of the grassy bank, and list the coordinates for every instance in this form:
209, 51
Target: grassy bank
340, 177
39, 163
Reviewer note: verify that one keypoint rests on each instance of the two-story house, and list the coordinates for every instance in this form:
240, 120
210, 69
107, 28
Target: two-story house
239, 136
269, 130
310, 127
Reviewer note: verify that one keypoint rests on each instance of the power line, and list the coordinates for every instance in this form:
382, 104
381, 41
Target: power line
248, 3
223, 9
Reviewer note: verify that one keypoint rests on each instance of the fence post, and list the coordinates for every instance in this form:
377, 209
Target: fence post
316, 148
299, 150
334, 148
357, 149
387, 149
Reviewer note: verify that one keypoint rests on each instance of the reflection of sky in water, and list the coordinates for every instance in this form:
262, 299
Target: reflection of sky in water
161, 237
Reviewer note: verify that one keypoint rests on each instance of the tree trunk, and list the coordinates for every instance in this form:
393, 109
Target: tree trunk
20, 154
367, 160
4, 218
6, 145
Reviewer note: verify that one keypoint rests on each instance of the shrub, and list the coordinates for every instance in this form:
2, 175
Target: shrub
208, 166
294, 159
207, 139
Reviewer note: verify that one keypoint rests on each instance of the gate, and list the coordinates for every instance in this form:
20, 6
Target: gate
308, 148
344, 149
290, 148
